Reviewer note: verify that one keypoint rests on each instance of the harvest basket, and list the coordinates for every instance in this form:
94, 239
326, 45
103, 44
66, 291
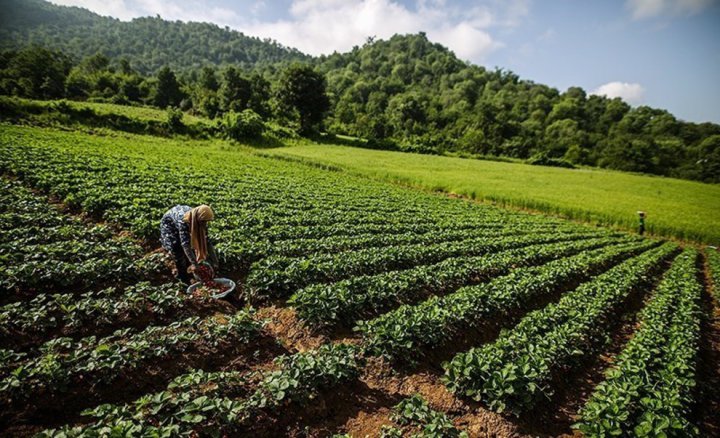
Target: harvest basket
224, 281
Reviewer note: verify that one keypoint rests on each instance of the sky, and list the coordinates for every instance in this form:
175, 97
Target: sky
662, 53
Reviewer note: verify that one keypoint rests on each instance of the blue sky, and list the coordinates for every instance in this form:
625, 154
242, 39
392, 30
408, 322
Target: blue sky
662, 53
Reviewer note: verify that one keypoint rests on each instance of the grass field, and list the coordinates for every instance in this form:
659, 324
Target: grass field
675, 208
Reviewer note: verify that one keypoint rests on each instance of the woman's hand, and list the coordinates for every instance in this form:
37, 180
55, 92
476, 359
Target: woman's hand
192, 268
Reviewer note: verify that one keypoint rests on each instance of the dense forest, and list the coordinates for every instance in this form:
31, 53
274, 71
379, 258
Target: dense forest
148, 43
405, 93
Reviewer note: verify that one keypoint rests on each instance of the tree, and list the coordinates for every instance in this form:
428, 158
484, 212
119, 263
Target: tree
37, 72
208, 80
235, 91
709, 159
301, 90
168, 89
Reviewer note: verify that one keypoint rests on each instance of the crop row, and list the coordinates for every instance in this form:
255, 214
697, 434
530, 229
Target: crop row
110, 307
414, 413
281, 276
359, 297
250, 251
258, 201
649, 389
63, 363
516, 371
210, 403
51, 249
411, 330
125, 186
713, 264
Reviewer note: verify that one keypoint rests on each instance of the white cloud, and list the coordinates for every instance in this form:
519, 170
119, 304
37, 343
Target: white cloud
324, 26
632, 93
641, 9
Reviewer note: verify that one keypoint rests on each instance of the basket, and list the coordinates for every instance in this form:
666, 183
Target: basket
223, 281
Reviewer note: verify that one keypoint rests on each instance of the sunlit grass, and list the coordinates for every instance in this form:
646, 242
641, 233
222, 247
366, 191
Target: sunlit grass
675, 208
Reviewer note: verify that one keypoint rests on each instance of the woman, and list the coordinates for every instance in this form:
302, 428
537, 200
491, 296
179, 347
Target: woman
183, 233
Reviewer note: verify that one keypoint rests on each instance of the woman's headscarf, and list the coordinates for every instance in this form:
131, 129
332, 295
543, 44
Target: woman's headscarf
198, 218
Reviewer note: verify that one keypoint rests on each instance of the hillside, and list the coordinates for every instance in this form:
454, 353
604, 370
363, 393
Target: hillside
149, 43
363, 308
411, 94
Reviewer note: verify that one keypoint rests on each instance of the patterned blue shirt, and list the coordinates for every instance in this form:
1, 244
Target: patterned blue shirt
175, 231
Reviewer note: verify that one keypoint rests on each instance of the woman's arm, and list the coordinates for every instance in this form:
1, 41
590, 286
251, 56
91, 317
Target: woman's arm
184, 232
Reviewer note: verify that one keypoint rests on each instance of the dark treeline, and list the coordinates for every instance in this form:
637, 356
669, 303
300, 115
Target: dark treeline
405, 93
294, 96
148, 43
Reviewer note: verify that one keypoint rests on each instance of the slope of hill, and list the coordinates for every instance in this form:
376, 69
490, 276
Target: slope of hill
420, 96
149, 43
443, 296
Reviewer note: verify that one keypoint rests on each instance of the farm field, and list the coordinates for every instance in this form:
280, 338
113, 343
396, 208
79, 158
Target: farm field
367, 309
676, 208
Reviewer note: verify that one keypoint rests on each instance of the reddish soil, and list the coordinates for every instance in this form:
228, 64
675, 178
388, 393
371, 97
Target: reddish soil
284, 325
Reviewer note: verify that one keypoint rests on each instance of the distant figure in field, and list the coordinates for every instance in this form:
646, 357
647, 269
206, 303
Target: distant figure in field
641, 225
183, 233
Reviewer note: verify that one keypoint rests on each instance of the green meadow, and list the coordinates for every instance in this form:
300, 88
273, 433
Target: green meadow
676, 208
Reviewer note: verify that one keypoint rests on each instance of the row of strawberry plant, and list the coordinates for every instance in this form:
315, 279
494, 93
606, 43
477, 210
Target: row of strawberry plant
516, 371
281, 276
253, 197
53, 250
211, 404
271, 231
359, 297
649, 389
713, 264
64, 363
119, 199
250, 251
409, 331
414, 414
27, 219
22, 322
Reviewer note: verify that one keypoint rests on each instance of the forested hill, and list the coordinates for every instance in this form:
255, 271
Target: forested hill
424, 98
148, 43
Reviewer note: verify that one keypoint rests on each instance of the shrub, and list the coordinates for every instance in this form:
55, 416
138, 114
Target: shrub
174, 119
543, 159
245, 125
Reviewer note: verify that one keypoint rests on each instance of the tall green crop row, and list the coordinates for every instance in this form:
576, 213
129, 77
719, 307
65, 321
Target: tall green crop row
210, 404
515, 372
409, 331
649, 390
